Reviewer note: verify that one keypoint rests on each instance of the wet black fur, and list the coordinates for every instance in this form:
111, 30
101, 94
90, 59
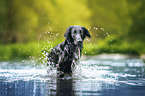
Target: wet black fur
65, 55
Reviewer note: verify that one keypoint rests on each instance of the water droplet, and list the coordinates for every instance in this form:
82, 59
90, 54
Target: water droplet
87, 39
50, 28
57, 34
95, 28
89, 28
102, 29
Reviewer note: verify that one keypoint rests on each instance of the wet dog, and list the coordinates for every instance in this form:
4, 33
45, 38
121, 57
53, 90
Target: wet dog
65, 55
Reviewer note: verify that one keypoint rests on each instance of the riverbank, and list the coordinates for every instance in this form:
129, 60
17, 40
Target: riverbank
100, 49
112, 57
143, 57
108, 56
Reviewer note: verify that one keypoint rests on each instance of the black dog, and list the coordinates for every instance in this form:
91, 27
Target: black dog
65, 55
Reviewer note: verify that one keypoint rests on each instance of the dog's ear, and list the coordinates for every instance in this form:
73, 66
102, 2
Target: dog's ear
67, 33
85, 33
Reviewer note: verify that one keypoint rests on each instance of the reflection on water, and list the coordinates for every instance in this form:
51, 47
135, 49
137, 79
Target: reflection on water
105, 77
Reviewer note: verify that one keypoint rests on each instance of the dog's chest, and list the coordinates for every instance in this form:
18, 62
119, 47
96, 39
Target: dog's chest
68, 53
72, 52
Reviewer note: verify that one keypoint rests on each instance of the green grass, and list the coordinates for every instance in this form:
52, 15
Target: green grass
18, 51
33, 50
114, 45
25, 51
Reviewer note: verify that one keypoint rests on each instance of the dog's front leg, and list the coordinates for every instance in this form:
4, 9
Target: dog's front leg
73, 65
60, 73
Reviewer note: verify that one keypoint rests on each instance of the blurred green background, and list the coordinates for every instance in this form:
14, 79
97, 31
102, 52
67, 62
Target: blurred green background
29, 26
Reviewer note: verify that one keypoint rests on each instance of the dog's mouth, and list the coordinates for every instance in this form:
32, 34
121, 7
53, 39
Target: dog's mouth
79, 43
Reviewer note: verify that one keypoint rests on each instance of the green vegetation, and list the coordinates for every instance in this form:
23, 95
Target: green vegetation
113, 44
28, 26
33, 50
17, 51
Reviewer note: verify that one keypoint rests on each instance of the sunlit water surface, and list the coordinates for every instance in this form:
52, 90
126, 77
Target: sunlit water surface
98, 77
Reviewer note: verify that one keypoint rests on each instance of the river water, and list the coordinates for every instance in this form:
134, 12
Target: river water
93, 76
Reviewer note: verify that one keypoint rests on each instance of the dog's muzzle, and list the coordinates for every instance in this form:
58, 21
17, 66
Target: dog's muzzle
78, 40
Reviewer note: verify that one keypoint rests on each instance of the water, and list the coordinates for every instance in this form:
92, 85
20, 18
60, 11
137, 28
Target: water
98, 77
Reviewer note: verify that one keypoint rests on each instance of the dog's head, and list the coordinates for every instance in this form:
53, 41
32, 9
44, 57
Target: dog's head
76, 34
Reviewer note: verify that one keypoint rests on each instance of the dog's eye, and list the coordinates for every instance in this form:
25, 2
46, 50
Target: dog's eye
75, 32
